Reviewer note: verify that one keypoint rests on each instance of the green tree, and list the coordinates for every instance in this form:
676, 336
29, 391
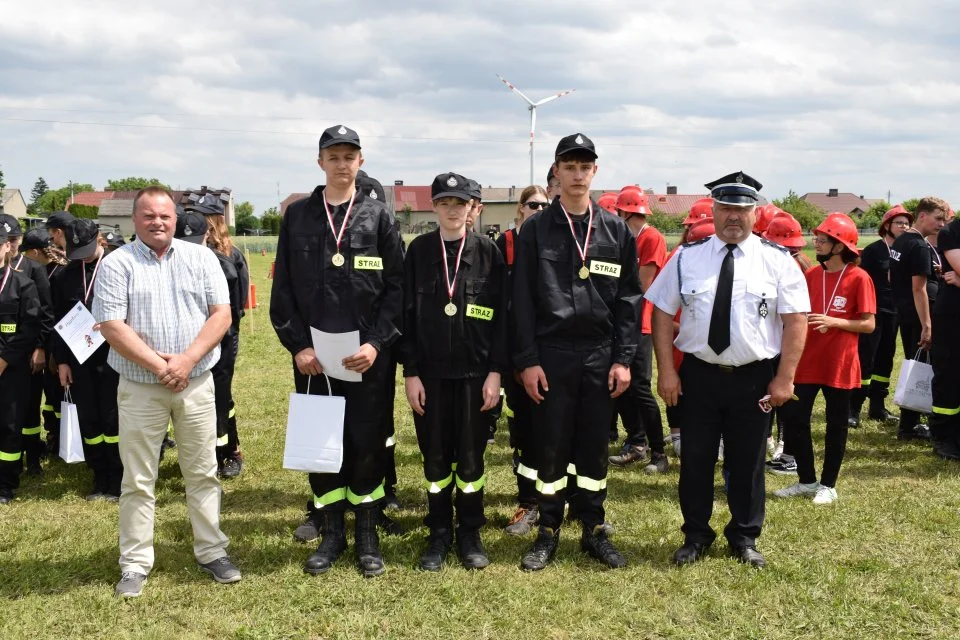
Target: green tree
3, 185
39, 189
244, 220
58, 199
84, 211
270, 221
665, 223
133, 183
807, 214
911, 205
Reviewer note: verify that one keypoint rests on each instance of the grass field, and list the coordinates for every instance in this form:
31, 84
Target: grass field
880, 563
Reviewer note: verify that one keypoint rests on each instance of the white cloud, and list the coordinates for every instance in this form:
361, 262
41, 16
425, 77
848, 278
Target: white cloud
803, 94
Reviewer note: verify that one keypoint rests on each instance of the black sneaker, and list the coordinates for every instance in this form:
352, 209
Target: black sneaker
6, 496
854, 421
784, 466
883, 415
658, 463
947, 449
438, 546
598, 546
470, 549
34, 470
919, 432
389, 525
308, 531
629, 456
542, 551
232, 466
391, 503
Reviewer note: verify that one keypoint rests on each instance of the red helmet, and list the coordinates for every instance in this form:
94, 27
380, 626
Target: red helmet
780, 213
841, 228
633, 201
608, 202
702, 208
785, 231
764, 216
632, 187
895, 211
702, 228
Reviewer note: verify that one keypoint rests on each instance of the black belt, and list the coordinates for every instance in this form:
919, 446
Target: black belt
727, 368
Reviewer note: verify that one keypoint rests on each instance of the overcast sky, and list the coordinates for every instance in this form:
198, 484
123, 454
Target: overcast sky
801, 94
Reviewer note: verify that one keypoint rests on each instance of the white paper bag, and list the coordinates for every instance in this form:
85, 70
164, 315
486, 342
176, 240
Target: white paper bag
71, 442
914, 386
314, 440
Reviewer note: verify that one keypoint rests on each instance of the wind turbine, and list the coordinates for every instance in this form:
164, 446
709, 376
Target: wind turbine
532, 108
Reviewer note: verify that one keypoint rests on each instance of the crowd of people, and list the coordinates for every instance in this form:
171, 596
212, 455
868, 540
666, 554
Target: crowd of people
554, 323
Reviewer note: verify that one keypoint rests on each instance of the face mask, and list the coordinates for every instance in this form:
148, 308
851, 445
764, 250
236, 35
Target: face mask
822, 259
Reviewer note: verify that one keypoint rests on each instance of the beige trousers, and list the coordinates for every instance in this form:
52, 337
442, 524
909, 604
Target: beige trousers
145, 411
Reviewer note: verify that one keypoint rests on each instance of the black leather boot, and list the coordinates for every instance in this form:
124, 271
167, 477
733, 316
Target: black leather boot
332, 543
367, 543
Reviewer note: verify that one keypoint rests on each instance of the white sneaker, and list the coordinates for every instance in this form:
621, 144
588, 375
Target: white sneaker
770, 445
777, 451
799, 489
825, 495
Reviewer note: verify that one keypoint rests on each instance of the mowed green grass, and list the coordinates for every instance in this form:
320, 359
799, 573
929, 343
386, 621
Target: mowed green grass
880, 563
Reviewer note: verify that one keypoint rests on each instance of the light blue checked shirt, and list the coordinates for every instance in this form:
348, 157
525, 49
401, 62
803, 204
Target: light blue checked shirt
165, 300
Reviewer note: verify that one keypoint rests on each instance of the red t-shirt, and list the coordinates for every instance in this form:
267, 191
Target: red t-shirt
651, 249
832, 358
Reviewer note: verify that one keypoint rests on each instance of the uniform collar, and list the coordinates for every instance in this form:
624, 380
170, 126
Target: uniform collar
469, 248
746, 246
560, 218
147, 252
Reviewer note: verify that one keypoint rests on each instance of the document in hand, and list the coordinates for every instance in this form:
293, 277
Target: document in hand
332, 348
76, 329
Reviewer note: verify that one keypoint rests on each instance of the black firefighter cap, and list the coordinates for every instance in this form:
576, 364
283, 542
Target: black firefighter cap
59, 220
339, 134
3, 235
81, 236
370, 187
11, 225
475, 190
191, 226
737, 189
114, 239
575, 142
450, 185
35, 239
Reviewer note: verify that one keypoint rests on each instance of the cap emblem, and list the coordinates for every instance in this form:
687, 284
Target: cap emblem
6, 227
578, 139
342, 130
373, 195
740, 177
76, 239
451, 181
187, 231
109, 236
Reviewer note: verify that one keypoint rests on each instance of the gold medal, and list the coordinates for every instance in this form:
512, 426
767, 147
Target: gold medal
337, 260
450, 309
584, 273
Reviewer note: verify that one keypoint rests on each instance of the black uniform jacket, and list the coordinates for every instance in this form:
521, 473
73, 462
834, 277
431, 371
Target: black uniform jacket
38, 273
67, 290
243, 275
365, 294
471, 343
235, 284
875, 260
19, 318
551, 304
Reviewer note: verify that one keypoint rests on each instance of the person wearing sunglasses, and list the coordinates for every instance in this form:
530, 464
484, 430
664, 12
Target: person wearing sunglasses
844, 304
532, 200
877, 348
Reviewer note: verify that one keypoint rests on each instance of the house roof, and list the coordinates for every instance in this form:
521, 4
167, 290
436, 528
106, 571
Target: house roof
843, 202
116, 208
417, 197
290, 199
7, 194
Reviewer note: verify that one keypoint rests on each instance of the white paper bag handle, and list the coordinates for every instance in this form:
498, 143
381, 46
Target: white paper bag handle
329, 390
66, 395
926, 356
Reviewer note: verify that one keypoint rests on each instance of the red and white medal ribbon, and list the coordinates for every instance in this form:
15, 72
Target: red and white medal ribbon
338, 257
823, 292
584, 272
6, 276
451, 309
93, 278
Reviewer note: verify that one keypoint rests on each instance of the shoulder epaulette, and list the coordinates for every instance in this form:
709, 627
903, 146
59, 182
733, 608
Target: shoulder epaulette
774, 245
695, 243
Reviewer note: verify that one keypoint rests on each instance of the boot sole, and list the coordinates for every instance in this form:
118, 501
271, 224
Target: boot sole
374, 573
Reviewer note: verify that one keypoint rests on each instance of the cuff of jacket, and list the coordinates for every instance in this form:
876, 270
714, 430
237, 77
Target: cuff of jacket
625, 355
410, 370
525, 360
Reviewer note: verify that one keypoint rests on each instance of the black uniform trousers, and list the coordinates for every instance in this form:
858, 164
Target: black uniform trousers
796, 419
359, 482
521, 428
94, 391
13, 384
30, 419
390, 470
945, 356
637, 407
53, 396
723, 402
876, 351
452, 434
571, 431
909, 339
228, 442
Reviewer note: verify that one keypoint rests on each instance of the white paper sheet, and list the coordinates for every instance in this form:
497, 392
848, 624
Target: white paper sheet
332, 348
76, 329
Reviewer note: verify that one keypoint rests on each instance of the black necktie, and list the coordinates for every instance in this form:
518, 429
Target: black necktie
719, 336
